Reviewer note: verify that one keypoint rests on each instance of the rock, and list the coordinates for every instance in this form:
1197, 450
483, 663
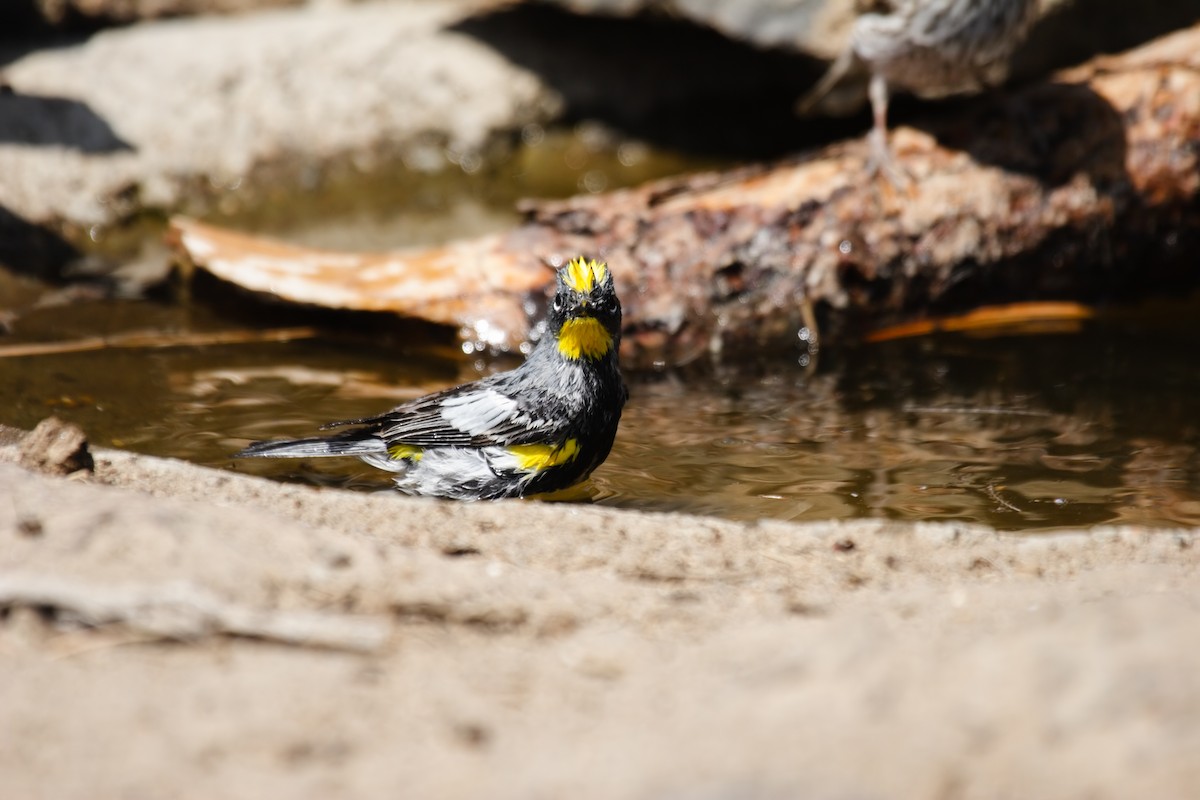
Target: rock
815, 27
56, 448
173, 113
89, 13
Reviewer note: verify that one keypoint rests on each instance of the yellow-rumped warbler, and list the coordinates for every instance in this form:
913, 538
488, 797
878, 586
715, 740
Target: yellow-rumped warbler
538, 428
932, 48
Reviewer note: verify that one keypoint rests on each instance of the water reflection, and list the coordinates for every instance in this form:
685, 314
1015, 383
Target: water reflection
1020, 433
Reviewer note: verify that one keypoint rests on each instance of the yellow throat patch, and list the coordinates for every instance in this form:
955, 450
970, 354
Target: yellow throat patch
583, 337
538, 457
583, 276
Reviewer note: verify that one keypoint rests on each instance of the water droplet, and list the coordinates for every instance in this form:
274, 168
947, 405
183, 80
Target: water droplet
470, 163
630, 153
845, 247
594, 181
423, 158
533, 134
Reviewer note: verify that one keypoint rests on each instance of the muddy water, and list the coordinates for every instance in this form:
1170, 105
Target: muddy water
1100, 425
1096, 425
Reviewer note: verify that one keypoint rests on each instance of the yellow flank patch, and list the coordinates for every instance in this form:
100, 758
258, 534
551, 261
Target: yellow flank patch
583, 337
405, 451
582, 276
537, 457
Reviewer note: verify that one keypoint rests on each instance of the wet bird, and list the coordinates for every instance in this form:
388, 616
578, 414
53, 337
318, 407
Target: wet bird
543, 426
931, 48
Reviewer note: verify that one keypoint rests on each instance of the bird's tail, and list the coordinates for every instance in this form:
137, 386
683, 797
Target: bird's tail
846, 64
352, 444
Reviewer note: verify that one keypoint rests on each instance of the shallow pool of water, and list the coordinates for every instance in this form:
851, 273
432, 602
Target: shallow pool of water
1023, 433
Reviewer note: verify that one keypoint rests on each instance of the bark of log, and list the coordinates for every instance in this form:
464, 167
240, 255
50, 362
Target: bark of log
1084, 187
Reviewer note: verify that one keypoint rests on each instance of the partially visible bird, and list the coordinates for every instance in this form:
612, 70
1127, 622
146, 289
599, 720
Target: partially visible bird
931, 48
543, 426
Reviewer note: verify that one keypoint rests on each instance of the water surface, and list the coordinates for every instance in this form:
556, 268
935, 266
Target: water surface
1020, 432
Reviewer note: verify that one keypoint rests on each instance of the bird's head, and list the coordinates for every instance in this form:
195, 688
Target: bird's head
585, 317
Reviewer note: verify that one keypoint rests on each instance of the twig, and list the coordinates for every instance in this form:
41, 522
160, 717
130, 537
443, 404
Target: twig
185, 612
993, 493
1031, 318
155, 340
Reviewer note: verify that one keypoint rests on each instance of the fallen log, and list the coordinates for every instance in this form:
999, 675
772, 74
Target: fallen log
1084, 187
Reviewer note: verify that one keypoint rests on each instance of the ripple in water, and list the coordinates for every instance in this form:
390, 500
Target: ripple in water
1020, 433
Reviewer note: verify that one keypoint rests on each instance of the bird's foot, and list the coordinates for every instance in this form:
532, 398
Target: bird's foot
882, 162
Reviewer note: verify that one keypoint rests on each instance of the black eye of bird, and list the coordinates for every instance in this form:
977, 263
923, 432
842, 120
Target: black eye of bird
558, 304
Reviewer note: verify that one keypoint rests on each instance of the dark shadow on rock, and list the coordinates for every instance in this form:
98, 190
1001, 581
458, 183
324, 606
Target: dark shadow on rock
1051, 131
665, 80
21, 17
1130, 244
32, 249
19, 39
1075, 31
37, 120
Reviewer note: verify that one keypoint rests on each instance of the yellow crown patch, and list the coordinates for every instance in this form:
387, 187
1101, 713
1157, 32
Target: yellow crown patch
583, 276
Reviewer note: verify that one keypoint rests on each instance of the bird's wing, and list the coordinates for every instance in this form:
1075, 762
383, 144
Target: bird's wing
475, 415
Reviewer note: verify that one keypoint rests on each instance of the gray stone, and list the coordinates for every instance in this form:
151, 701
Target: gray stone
56, 448
148, 117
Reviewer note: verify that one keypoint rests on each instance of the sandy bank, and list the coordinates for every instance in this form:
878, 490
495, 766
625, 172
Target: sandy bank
525, 650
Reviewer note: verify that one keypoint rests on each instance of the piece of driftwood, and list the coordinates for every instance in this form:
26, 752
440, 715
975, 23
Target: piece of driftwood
184, 612
1014, 318
155, 340
1083, 187
482, 285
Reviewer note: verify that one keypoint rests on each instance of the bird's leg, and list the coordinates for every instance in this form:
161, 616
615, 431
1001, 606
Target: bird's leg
878, 93
880, 161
